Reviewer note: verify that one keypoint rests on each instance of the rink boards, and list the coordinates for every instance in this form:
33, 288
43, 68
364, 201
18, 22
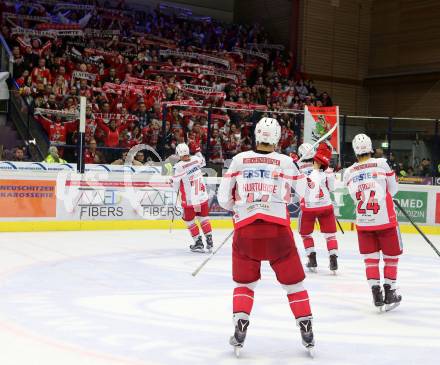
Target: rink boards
105, 200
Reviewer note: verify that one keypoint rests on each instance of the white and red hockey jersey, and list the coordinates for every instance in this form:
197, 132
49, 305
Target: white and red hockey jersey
319, 186
258, 186
305, 167
189, 180
372, 185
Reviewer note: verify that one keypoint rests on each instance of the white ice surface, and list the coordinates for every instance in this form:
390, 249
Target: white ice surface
127, 297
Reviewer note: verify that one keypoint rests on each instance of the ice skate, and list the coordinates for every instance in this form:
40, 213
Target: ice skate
209, 243
333, 263
377, 297
197, 246
392, 300
237, 340
312, 264
307, 335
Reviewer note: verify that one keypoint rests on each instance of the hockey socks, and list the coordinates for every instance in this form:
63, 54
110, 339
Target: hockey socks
372, 268
332, 243
206, 225
390, 270
193, 229
308, 242
299, 304
242, 302
298, 301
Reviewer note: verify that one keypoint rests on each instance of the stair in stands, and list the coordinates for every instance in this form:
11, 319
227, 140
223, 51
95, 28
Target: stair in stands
9, 137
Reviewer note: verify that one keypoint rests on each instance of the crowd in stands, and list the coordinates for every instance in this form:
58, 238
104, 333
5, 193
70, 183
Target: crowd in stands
132, 65
405, 169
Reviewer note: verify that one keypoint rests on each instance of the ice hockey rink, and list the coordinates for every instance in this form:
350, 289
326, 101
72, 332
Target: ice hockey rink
128, 297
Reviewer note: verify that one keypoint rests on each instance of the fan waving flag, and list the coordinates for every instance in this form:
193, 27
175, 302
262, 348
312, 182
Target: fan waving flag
318, 121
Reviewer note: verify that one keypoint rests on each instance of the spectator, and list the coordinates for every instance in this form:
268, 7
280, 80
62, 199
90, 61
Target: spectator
402, 171
301, 89
143, 116
425, 168
215, 147
246, 143
194, 142
136, 137
393, 164
122, 160
19, 155
326, 100
232, 140
292, 148
111, 132
152, 133
58, 129
92, 155
378, 153
169, 140
139, 157
287, 139
41, 73
91, 125
53, 156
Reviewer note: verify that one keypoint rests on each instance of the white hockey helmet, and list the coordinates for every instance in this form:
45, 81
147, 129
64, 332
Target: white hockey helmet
267, 130
306, 151
362, 144
182, 149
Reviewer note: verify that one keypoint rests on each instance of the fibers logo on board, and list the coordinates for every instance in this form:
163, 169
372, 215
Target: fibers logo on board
100, 203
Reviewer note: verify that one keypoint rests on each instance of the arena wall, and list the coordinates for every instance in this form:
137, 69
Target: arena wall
404, 66
334, 49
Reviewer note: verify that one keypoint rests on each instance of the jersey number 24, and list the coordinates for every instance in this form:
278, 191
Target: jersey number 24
372, 204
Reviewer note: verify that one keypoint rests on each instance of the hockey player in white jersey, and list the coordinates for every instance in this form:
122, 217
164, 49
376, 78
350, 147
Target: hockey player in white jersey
317, 204
188, 179
372, 184
257, 188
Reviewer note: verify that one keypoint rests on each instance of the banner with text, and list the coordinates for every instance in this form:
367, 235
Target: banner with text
27, 198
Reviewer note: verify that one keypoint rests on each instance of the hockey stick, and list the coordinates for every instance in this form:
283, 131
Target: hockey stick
196, 271
323, 138
416, 227
339, 224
